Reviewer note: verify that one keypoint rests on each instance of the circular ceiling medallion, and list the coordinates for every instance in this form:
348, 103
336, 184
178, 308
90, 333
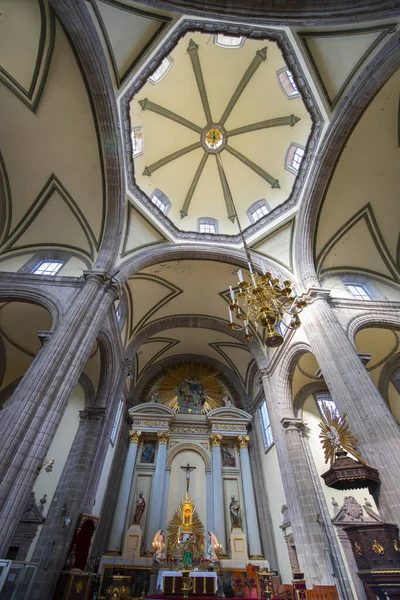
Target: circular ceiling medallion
213, 138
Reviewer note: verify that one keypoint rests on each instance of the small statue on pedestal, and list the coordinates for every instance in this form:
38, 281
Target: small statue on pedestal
234, 512
140, 508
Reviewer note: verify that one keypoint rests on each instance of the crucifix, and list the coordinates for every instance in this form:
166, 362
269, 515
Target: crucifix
188, 470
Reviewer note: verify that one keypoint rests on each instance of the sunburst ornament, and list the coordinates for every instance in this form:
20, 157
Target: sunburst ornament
335, 435
191, 388
177, 526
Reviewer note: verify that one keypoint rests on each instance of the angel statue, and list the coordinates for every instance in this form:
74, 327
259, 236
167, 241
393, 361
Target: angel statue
159, 546
212, 545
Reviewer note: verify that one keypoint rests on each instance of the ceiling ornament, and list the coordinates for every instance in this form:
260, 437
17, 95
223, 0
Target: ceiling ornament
335, 435
214, 138
262, 301
191, 389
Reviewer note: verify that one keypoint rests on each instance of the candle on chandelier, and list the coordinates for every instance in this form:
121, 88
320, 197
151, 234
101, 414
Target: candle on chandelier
230, 316
232, 294
240, 275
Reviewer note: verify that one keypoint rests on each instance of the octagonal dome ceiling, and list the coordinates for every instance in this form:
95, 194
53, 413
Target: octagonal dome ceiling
218, 122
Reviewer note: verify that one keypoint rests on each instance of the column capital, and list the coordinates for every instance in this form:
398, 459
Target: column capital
294, 424
93, 413
134, 436
163, 437
44, 336
315, 293
104, 279
126, 364
215, 440
243, 441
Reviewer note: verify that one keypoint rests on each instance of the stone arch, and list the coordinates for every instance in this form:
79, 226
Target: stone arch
194, 251
374, 318
106, 371
203, 322
365, 87
189, 446
93, 64
285, 375
33, 296
306, 391
385, 377
229, 378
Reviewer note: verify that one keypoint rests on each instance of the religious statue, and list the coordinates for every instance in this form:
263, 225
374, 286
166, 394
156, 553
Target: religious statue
159, 546
234, 511
227, 401
140, 508
191, 396
148, 453
188, 470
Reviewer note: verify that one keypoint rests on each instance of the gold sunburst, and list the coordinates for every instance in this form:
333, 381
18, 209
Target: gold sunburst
206, 377
175, 524
335, 434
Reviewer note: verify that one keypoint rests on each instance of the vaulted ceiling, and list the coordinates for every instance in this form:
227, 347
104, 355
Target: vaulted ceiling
54, 163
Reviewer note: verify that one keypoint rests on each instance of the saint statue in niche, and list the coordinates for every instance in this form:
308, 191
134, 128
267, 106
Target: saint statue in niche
191, 396
228, 456
234, 512
140, 508
148, 453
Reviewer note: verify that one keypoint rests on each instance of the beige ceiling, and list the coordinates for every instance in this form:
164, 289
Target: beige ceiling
358, 228
262, 99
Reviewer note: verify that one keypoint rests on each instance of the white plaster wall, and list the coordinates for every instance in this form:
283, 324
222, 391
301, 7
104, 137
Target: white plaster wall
276, 495
46, 483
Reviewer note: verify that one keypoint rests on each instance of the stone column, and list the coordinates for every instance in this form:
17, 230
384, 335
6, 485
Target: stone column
355, 394
316, 554
154, 521
30, 422
299, 492
165, 499
116, 541
209, 502
218, 492
253, 534
61, 520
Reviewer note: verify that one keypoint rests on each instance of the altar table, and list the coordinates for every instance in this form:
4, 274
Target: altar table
204, 582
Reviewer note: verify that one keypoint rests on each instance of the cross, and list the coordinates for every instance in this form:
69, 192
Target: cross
188, 469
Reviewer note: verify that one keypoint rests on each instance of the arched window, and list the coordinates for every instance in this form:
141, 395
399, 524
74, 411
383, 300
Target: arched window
287, 83
207, 225
258, 210
161, 71
137, 141
228, 41
294, 157
265, 426
161, 201
324, 401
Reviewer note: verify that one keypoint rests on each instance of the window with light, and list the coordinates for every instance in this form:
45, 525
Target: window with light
325, 402
287, 83
137, 141
114, 430
265, 426
161, 71
258, 210
294, 157
228, 41
207, 225
358, 291
48, 267
161, 201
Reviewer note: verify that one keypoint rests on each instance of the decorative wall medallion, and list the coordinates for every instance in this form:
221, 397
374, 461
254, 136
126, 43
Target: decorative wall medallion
79, 586
377, 547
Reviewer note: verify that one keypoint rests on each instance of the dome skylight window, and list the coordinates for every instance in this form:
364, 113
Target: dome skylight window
287, 83
228, 41
161, 71
161, 201
47, 267
294, 156
258, 210
207, 225
137, 141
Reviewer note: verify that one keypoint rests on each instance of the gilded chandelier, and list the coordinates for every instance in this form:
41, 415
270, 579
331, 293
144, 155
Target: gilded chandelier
263, 300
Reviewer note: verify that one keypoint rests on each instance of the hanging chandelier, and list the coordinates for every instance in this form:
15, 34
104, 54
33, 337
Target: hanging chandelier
262, 301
